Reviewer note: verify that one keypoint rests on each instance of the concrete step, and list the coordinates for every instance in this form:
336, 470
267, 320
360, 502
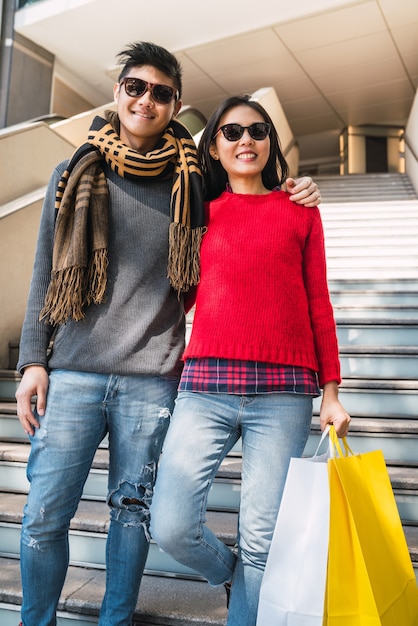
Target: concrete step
364, 208
9, 382
163, 601
393, 285
383, 363
381, 231
397, 438
88, 534
388, 314
366, 398
372, 273
358, 187
379, 333
376, 261
367, 251
88, 531
224, 494
373, 398
363, 298
365, 217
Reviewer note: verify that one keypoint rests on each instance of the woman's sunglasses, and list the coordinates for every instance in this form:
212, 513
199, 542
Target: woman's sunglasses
136, 87
233, 132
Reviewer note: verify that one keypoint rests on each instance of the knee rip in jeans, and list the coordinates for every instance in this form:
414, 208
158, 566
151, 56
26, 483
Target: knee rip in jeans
130, 502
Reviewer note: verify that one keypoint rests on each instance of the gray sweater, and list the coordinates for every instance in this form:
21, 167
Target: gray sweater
140, 328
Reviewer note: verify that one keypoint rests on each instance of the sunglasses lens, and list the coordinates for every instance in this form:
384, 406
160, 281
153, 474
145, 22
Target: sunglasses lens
135, 87
232, 132
259, 130
163, 93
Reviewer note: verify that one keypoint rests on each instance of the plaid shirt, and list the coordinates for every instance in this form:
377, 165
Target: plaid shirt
214, 375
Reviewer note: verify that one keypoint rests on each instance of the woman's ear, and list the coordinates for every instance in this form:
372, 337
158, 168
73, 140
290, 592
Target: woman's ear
213, 153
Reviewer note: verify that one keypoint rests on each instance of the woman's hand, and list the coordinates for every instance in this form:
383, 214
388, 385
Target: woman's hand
332, 411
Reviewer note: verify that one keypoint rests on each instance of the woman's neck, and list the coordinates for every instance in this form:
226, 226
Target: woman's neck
248, 186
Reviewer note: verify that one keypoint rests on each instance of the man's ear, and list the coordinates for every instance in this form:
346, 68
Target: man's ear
177, 107
116, 90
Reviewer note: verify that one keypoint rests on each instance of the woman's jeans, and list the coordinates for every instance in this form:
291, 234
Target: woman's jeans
81, 408
204, 428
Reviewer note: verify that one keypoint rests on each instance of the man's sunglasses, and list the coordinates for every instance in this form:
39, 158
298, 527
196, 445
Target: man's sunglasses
233, 132
136, 87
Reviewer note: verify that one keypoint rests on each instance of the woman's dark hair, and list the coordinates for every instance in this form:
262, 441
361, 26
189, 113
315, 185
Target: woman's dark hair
146, 53
215, 177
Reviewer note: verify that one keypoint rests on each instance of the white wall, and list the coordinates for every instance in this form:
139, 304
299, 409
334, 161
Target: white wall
411, 153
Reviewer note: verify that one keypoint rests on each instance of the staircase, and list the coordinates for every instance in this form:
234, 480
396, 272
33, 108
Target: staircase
365, 188
372, 250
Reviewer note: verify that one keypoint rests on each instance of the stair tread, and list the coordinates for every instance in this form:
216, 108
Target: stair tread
93, 516
382, 425
163, 601
399, 351
374, 383
406, 475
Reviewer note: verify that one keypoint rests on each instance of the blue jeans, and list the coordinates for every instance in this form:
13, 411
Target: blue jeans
204, 428
81, 408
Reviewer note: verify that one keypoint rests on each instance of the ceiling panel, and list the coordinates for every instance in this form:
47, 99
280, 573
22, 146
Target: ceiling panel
311, 124
293, 90
258, 73
368, 95
238, 51
387, 112
398, 12
202, 87
376, 47
359, 75
332, 27
316, 107
406, 38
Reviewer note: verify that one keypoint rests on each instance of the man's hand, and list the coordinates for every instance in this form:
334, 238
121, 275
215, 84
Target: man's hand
35, 381
304, 191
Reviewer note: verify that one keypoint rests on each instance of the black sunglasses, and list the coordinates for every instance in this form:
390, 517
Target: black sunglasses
136, 87
233, 132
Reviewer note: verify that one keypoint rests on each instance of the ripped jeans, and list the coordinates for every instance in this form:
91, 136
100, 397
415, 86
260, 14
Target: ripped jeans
81, 408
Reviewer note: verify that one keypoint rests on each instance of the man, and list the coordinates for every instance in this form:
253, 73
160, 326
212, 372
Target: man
118, 245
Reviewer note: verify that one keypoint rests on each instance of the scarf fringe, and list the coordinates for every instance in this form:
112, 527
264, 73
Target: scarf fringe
184, 256
66, 296
97, 277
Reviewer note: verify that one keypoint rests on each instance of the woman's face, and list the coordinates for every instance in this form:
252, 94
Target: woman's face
247, 157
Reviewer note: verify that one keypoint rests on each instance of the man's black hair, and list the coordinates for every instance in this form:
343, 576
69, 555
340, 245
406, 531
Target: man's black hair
146, 53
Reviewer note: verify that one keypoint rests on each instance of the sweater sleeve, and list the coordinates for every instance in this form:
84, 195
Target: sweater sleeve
36, 335
320, 307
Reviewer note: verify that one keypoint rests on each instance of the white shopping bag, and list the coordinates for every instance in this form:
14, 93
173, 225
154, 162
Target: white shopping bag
293, 588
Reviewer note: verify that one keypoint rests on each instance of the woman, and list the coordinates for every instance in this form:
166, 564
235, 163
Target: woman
263, 341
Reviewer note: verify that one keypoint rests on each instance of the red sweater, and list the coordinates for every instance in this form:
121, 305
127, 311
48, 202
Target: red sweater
263, 294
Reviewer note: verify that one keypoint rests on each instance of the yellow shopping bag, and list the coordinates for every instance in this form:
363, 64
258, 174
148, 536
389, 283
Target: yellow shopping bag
370, 578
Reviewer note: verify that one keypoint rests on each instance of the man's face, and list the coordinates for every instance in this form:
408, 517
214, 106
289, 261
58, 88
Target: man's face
142, 119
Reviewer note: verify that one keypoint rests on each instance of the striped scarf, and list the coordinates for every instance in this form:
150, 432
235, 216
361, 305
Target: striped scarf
79, 262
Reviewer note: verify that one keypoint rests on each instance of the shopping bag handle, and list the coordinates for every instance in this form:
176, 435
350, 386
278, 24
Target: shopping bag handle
334, 445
